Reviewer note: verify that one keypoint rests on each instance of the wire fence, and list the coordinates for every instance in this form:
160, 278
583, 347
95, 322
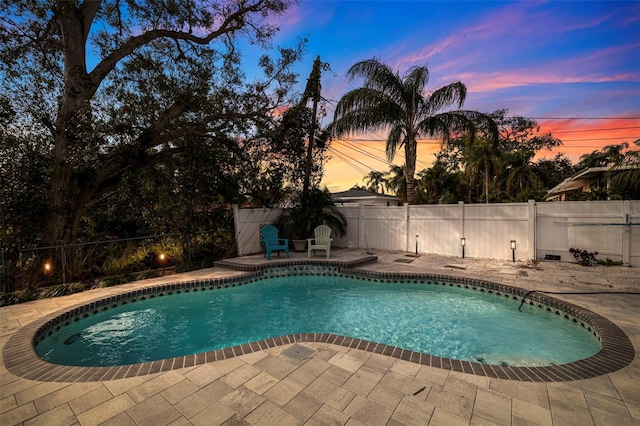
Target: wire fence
112, 261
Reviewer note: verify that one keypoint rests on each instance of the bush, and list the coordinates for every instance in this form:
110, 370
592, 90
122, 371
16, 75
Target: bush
584, 257
609, 262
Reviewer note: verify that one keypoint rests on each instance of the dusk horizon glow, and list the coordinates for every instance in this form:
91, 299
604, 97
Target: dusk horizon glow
573, 66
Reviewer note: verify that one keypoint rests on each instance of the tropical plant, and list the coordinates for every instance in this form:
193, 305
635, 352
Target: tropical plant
442, 183
625, 172
402, 106
482, 159
375, 181
299, 221
397, 182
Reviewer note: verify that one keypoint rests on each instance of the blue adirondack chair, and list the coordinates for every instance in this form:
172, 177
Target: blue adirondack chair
272, 242
322, 240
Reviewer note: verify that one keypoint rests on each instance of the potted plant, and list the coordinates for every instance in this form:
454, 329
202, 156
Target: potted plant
298, 222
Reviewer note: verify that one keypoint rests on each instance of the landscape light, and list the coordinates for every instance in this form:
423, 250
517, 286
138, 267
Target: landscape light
47, 267
463, 242
513, 250
162, 257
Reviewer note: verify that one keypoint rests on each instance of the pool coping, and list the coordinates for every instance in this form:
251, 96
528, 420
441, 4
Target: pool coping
22, 359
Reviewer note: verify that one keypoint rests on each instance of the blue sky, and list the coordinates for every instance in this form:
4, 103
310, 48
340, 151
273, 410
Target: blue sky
545, 60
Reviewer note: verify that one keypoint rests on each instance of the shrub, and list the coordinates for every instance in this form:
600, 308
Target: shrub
609, 262
584, 257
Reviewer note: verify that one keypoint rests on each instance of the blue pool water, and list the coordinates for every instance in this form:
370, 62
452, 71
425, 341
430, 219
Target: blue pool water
438, 320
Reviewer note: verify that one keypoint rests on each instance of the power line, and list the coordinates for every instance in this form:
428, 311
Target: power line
596, 130
599, 139
582, 118
368, 154
350, 163
350, 145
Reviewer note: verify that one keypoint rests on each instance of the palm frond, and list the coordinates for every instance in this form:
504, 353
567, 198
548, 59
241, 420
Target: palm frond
394, 141
417, 78
364, 109
380, 77
444, 97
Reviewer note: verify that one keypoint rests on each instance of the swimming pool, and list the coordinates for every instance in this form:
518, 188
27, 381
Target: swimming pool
21, 358
441, 320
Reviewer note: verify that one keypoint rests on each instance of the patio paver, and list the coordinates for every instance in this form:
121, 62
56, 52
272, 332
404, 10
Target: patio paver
333, 385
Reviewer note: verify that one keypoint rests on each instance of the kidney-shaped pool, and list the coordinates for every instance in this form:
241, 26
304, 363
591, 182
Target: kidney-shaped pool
445, 321
462, 324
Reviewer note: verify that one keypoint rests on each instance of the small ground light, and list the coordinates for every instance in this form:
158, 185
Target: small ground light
463, 242
513, 250
47, 267
162, 257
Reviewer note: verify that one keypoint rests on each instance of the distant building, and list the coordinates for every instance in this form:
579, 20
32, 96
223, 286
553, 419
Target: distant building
586, 180
359, 196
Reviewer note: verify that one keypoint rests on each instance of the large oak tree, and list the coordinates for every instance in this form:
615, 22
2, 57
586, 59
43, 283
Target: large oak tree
120, 85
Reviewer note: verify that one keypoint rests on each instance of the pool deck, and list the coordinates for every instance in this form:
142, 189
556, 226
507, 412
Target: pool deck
334, 384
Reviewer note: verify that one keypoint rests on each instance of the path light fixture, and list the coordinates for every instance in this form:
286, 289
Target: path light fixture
513, 250
47, 267
463, 242
416, 244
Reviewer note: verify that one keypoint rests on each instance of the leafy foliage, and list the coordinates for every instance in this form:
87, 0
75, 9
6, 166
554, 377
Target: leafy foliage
299, 221
501, 171
117, 87
584, 257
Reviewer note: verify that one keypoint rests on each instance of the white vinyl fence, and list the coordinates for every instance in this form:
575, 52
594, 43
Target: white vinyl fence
540, 230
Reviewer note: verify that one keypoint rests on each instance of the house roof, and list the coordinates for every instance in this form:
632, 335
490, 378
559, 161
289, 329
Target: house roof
361, 195
574, 182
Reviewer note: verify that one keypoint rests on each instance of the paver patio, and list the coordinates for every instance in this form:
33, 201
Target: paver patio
333, 385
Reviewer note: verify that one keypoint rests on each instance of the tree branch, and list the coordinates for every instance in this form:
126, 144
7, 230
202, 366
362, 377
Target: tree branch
232, 23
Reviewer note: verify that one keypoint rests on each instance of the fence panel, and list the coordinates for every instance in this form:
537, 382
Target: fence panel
489, 229
384, 228
437, 228
594, 226
352, 238
247, 224
634, 232
612, 228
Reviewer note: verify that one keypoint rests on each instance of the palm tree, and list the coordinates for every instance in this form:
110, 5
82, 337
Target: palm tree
397, 182
482, 159
625, 172
401, 105
375, 180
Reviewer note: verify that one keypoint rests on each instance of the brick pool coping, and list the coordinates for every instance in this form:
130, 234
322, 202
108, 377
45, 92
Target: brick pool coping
22, 360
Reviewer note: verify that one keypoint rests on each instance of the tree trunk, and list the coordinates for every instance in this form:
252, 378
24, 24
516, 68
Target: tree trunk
72, 128
410, 150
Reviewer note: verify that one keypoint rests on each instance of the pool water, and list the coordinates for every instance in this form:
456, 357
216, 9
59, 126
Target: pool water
438, 320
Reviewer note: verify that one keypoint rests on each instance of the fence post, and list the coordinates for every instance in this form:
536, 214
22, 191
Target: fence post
407, 227
236, 226
532, 213
626, 232
361, 231
64, 275
460, 223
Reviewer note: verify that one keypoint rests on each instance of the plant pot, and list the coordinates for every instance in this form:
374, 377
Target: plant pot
299, 245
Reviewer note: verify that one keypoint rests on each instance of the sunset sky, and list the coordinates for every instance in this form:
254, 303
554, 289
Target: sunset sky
574, 66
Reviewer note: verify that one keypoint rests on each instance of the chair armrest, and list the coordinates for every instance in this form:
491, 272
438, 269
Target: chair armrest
284, 240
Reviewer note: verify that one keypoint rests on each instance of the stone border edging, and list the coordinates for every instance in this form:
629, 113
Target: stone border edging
21, 358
